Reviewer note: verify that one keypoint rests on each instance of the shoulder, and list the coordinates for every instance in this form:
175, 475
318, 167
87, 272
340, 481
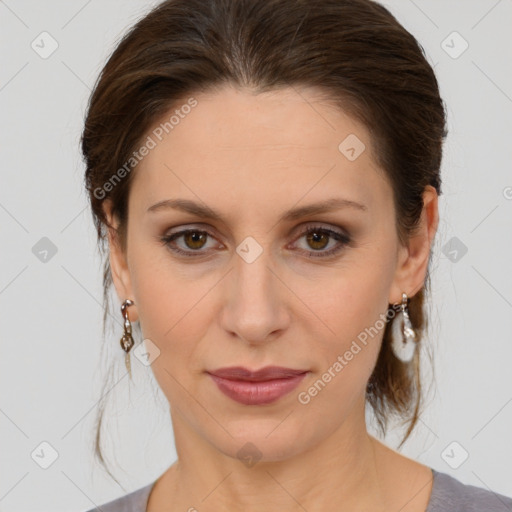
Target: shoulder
451, 495
135, 501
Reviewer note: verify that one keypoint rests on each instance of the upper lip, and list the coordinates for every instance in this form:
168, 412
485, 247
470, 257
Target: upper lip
266, 373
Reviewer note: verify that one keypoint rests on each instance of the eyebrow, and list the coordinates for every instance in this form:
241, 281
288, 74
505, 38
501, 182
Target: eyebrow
206, 212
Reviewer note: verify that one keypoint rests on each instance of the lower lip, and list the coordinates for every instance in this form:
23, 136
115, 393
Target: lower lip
257, 393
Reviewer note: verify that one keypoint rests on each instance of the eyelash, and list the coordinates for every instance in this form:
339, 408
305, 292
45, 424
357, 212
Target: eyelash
342, 238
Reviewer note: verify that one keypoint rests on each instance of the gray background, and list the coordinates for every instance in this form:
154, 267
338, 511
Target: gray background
51, 376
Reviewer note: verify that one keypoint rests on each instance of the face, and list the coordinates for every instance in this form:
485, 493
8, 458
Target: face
259, 286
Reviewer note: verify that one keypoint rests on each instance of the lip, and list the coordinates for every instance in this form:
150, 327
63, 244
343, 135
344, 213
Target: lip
259, 387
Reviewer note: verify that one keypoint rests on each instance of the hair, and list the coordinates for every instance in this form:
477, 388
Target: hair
354, 51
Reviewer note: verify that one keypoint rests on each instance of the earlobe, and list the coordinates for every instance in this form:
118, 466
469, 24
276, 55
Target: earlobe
413, 261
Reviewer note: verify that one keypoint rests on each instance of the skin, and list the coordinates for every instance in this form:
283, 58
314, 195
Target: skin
252, 157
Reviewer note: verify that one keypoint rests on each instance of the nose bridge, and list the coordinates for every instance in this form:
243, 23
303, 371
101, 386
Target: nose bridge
252, 273
254, 308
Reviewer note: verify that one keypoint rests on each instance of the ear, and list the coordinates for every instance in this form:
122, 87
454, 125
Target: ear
412, 263
118, 263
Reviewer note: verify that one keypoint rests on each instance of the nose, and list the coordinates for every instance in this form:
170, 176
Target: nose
256, 308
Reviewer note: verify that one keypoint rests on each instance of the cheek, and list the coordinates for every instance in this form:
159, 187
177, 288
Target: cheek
354, 305
174, 314
345, 361
354, 299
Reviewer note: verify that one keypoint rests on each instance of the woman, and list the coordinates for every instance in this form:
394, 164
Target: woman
267, 175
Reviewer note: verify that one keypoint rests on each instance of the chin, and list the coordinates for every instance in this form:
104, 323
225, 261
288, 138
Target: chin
260, 441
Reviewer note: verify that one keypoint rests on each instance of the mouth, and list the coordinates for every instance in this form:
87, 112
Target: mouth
259, 387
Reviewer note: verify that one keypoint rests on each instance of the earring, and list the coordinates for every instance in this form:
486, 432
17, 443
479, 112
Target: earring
127, 340
403, 337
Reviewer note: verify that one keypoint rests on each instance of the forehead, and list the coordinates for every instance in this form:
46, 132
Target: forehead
251, 147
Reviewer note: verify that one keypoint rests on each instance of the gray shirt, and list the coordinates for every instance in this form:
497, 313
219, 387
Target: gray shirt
448, 495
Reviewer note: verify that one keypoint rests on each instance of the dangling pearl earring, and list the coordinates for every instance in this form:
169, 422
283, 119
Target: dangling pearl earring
403, 337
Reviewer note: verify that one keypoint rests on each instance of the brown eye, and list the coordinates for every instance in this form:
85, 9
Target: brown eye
195, 239
193, 242
318, 238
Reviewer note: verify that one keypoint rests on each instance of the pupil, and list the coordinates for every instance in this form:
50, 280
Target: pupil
316, 238
196, 237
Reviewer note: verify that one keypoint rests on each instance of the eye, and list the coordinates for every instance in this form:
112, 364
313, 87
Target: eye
318, 238
194, 240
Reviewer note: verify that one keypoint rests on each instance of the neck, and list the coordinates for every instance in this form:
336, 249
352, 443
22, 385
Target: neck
345, 469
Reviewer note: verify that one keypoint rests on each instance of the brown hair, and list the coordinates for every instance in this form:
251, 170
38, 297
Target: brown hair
353, 50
